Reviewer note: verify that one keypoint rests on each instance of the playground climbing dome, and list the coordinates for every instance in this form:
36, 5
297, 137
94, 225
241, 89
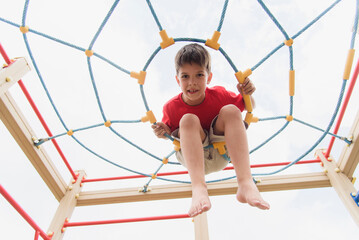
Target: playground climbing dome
117, 70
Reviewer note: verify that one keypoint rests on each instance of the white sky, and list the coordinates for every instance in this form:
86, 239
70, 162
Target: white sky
128, 40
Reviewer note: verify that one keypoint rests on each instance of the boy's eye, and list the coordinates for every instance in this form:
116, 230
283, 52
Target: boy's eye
184, 76
200, 75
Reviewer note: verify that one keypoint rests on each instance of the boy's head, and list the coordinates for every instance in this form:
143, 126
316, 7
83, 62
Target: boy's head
193, 73
193, 54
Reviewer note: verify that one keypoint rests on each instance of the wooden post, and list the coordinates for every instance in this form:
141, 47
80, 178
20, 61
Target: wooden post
201, 227
13, 73
21, 131
342, 185
66, 208
349, 158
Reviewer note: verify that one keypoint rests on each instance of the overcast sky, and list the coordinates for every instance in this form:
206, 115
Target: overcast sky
128, 40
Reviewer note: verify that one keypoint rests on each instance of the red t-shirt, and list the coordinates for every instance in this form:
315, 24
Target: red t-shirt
216, 98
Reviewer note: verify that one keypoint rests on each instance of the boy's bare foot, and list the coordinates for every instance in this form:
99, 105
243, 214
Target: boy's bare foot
248, 193
200, 202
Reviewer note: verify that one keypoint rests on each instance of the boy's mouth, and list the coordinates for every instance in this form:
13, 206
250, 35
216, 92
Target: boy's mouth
192, 91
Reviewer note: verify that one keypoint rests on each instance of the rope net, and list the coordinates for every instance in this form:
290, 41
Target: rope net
92, 90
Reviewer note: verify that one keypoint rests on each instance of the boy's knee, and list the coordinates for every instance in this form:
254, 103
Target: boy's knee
189, 120
230, 111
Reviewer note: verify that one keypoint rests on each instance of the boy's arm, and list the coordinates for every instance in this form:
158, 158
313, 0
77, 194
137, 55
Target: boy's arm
248, 88
160, 129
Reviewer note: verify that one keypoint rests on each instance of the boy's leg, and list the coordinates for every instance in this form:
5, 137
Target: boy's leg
192, 136
230, 124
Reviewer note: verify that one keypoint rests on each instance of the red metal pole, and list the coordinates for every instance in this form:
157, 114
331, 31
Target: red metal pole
23, 213
128, 220
38, 114
37, 234
344, 107
186, 172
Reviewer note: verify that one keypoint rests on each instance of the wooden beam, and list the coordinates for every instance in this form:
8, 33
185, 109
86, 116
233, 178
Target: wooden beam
201, 227
342, 185
13, 73
66, 208
15, 122
349, 158
175, 191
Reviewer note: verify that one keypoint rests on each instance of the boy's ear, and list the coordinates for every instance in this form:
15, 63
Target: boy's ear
209, 79
178, 81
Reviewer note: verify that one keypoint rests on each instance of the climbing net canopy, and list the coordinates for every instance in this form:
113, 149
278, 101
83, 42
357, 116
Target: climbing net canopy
88, 76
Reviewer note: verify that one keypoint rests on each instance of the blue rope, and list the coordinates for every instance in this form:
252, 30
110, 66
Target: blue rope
24, 13
355, 28
322, 130
154, 15
9, 22
42, 81
269, 139
151, 58
229, 60
111, 63
273, 19
318, 141
95, 89
315, 19
222, 15
103, 23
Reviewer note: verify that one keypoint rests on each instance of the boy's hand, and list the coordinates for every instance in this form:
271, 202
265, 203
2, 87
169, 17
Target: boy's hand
247, 87
160, 129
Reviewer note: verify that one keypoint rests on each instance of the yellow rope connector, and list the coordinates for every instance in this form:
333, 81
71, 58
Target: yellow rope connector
213, 42
24, 29
288, 42
166, 41
220, 146
177, 145
240, 77
255, 119
289, 118
70, 132
108, 123
165, 160
141, 76
89, 52
8, 79
154, 176
291, 82
250, 118
348, 64
149, 117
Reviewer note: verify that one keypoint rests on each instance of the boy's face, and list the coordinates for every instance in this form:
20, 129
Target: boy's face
193, 79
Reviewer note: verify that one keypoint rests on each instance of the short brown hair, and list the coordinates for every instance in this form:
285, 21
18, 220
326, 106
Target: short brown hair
193, 53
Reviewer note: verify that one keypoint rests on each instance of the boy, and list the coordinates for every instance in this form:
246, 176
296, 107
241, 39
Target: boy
200, 116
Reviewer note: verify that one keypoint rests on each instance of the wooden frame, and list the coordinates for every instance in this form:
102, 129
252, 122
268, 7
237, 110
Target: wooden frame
66, 207
349, 158
13, 73
13, 119
174, 191
342, 185
336, 175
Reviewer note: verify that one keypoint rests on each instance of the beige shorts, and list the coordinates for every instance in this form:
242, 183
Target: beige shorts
213, 161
